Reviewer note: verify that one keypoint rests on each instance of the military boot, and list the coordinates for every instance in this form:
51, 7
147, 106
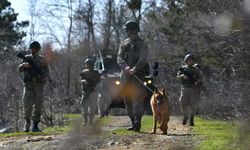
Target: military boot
85, 121
35, 127
191, 121
132, 124
137, 126
184, 121
27, 126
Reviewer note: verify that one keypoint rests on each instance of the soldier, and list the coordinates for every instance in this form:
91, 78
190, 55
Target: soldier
35, 76
104, 97
89, 80
132, 57
190, 77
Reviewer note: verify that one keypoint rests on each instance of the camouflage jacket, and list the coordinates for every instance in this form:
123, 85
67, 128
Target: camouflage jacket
33, 75
133, 52
192, 73
92, 78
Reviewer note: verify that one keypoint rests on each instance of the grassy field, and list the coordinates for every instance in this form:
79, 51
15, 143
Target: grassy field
220, 135
210, 134
146, 127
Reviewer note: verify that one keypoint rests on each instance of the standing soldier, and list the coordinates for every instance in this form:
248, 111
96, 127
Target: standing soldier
104, 97
89, 80
132, 57
35, 76
190, 77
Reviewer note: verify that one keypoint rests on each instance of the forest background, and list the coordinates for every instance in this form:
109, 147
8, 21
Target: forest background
216, 32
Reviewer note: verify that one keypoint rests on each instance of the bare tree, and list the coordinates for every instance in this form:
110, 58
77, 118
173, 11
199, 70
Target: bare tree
85, 15
59, 15
137, 9
107, 24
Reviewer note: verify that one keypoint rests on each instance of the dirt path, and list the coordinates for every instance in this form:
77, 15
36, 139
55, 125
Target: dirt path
179, 138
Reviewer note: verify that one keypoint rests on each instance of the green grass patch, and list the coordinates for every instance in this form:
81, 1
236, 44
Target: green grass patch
217, 135
147, 123
46, 131
146, 127
72, 116
104, 121
49, 130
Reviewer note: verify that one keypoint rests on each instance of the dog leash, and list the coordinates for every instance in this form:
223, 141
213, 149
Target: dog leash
143, 83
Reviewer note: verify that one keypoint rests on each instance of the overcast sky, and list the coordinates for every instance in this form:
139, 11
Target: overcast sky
21, 7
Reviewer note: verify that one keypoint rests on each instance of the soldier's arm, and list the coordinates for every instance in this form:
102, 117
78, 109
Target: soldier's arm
83, 79
23, 65
142, 56
179, 75
120, 60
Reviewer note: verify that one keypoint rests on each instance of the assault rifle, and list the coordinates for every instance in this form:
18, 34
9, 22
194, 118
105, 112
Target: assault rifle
188, 74
33, 65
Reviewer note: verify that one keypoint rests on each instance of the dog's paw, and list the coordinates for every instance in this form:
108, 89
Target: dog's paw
164, 133
152, 132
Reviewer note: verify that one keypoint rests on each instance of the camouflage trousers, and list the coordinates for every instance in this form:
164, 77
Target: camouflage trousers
104, 101
134, 100
188, 100
89, 103
33, 98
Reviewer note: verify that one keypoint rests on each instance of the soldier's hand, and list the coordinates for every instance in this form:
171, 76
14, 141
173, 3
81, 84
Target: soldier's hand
127, 69
185, 77
132, 71
23, 66
26, 65
85, 82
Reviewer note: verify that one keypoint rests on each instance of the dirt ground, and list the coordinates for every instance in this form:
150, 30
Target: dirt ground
179, 138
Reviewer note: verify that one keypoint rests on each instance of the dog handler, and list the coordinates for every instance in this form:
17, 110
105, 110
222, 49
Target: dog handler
132, 57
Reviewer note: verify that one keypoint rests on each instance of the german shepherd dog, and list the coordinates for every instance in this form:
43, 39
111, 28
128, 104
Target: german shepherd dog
159, 105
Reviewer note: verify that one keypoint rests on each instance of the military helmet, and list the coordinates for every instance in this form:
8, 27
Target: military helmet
132, 26
35, 45
89, 62
187, 57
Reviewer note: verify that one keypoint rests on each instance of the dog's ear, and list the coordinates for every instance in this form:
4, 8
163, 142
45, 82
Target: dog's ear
163, 91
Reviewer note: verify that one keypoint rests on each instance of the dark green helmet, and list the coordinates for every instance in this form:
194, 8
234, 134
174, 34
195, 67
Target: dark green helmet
132, 26
89, 62
35, 45
187, 57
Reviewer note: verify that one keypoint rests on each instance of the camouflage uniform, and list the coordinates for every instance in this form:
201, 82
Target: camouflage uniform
104, 97
188, 92
133, 52
33, 89
89, 94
